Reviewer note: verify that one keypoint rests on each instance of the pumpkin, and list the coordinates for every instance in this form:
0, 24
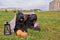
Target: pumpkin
19, 32
23, 34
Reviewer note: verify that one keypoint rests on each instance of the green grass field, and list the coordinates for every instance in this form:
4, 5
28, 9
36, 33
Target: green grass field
49, 23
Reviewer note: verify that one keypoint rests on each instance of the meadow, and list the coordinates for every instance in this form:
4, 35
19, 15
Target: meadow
49, 23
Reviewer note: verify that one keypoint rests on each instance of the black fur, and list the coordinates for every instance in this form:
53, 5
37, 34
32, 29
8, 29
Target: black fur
29, 22
20, 23
24, 24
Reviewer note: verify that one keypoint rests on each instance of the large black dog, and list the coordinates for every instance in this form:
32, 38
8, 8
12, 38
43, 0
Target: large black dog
23, 22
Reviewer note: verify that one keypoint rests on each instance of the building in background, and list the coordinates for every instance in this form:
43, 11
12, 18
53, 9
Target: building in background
54, 5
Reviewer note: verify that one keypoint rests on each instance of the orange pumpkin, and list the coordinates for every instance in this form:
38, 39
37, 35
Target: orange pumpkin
19, 32
24, 34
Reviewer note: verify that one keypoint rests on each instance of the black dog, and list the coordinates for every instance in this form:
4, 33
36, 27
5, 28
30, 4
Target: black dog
30, 22
19, 25
24, 22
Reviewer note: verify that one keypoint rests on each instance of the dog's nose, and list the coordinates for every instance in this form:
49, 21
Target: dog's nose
21, 19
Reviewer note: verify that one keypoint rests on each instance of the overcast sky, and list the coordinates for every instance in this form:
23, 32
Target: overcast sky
25, 4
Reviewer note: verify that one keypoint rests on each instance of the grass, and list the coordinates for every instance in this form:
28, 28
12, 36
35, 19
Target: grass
49, 23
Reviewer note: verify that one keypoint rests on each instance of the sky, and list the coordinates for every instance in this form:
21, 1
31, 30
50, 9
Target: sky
25, 4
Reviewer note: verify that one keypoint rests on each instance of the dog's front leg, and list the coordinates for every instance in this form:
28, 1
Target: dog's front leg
36, 27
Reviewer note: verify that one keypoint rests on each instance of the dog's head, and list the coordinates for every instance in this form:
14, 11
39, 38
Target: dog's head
32, 17
19, 16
